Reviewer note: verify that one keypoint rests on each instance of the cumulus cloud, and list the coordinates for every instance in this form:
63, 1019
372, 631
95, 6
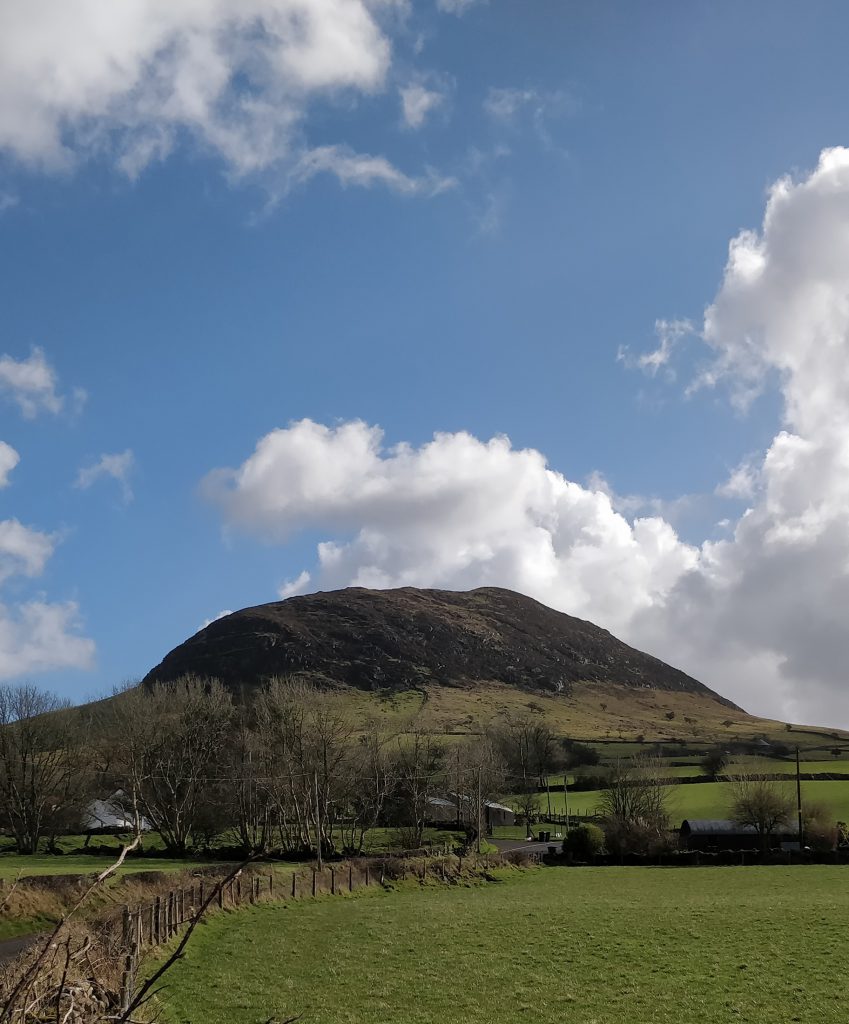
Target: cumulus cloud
765, 615
40, 637
130, 81
23, 550
117, 466
9, 458
222, 614
455, 512
759, 614
36, 636
31, 383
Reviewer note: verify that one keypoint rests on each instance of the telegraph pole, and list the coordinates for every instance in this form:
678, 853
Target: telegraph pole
318, 826
799, 798
479, 812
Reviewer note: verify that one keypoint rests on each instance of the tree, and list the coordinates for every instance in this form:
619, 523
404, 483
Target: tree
635, 805
760, 802
579, 754
420, 765
40, 767
714, 761
583, 842
307, 739
171, 748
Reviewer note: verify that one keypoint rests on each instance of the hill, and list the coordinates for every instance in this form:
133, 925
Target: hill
399, 640
458, 660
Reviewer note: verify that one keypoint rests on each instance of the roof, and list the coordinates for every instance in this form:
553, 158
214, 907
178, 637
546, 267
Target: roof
716, 826
498, 807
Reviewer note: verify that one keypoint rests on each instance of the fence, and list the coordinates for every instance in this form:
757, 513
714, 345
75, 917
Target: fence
134, 931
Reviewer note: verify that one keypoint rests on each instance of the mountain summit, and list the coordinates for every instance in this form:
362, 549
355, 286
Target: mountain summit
409, 638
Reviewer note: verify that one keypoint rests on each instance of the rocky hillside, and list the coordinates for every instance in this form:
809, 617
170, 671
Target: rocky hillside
406, 639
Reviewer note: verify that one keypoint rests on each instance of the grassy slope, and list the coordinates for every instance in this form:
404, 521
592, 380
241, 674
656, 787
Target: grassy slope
595, 712
588, 946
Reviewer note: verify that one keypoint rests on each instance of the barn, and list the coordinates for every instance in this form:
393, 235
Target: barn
714, 834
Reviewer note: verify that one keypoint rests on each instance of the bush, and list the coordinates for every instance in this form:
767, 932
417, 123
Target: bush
583, 842
580, 754
590, 780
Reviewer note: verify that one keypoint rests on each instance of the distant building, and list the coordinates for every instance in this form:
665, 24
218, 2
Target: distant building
447, 810
714, 834
111, 815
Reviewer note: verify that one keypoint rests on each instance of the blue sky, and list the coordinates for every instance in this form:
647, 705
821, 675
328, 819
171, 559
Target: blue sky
277, 241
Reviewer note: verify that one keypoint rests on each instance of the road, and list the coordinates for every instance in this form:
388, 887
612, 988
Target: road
10, 948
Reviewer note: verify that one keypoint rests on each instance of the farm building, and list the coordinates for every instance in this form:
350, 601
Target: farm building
449, 809
711, 834
111, 815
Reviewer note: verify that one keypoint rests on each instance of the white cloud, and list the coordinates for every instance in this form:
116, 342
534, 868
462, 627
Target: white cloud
456, 512
421, 97
760, 614
295, 586
362, 169
669, 333
130, 81
9, 458
31, 383
458, 7
23, 550
7, 201
118, 466
765, 615
40, 637
215, 618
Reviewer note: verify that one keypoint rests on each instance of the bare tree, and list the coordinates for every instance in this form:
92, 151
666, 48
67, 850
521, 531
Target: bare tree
528, 748
40, 763
307, 737
419, 764
760, 802
171, 739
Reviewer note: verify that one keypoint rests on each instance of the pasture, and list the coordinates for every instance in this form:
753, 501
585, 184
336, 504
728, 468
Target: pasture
708, 799
588, 945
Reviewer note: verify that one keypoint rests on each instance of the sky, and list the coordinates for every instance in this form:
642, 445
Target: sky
548, 295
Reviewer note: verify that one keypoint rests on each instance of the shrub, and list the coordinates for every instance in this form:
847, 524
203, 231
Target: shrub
590, 780
580, 754
583, 842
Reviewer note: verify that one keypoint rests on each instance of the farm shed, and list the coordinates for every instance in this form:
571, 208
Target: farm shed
447, 809
111, 815
723, 834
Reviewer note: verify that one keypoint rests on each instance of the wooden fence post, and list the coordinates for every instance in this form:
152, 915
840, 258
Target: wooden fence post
294, 885
125, 928
368, 876
201, 894
271, 884
350, 877
153, 923
238, 888
313, 881
333, 881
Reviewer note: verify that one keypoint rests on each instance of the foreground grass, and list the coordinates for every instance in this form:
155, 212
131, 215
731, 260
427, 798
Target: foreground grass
587, 946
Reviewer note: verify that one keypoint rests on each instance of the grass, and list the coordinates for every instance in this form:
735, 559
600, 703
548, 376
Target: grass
587, 946
43, 864
710, 799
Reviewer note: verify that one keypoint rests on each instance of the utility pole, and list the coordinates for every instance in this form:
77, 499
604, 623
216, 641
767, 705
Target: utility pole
799, 798
548, 796
479, 812
318, 825
566, 796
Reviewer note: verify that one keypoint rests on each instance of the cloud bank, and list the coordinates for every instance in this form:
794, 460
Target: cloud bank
761, 615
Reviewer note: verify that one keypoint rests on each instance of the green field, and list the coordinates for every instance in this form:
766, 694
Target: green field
708, 799
584, 946
11, 865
